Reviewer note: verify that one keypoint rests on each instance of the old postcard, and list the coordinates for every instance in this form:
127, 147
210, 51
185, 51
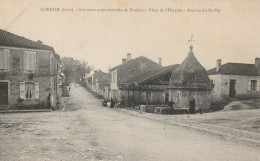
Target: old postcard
125, 80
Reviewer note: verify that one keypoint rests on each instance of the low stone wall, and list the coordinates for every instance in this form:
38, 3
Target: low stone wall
149, 108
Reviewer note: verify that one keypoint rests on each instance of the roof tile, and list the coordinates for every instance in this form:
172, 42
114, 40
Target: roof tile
236, 69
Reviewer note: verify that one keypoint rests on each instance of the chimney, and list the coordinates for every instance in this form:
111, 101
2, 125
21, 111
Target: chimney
123, 60
218, 65
160, 61
39, 41
257, 63
128, 57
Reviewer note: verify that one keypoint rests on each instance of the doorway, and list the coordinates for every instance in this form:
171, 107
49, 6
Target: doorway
3, 93
166, 100
232, 88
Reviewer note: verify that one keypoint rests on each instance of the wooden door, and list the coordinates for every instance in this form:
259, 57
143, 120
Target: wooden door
3, 93
232, 88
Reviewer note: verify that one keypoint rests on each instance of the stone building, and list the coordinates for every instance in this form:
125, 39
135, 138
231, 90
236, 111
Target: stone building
235, 79
190, 81
127, 70
97, 82
29, 73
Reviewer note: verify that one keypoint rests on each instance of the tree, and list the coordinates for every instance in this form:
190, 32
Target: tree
74, 70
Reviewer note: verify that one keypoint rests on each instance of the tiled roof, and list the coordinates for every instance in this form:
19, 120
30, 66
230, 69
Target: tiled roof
190, 74
236, 69
132, 61
133, 68
12, 40
151, 75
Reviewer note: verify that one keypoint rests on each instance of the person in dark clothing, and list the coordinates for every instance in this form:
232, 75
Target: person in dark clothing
170, 105
104, 103
192, 105
112, 103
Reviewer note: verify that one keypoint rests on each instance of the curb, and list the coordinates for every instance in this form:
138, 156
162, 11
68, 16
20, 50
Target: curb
25, 111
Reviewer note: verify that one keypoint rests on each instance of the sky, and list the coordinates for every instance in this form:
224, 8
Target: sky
229, 30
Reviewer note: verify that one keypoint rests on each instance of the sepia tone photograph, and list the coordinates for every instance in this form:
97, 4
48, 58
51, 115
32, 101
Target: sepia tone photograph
122, 80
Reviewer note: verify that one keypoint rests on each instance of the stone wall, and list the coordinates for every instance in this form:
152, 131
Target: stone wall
42, 76
182, 97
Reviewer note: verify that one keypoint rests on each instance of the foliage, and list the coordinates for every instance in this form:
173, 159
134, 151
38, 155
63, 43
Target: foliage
250, 96
218, 105
74, 70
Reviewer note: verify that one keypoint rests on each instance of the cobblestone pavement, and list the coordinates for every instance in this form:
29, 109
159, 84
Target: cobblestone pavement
86, 131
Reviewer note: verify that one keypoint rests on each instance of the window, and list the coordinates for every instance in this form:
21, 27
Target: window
29, 61
253, 85
113, 77
52, 62
29, 90
4, 60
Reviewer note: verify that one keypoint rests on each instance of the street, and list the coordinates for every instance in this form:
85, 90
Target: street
85, 130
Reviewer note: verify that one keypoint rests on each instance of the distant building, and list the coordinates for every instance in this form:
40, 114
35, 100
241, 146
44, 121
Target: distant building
234, 79
29, 73
190, 81
140, 81
97, 82
128, 69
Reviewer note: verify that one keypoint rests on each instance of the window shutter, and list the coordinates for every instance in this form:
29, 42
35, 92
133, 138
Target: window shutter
26, 61
34, 62
31, 61
22, 90
258, 85
249, 85
51, 59
37, 90
1, 59
7, 54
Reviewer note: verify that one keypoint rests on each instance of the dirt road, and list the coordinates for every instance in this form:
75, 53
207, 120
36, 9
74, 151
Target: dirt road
87, 131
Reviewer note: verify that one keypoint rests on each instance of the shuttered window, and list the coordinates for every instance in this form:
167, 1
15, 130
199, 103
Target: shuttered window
253, 85
30, 61
4, 60
29, 90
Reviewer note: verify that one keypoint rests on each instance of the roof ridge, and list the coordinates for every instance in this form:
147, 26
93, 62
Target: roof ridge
238, 63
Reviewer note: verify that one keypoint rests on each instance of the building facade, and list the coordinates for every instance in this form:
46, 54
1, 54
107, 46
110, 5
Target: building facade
29, 73
129, 68
98, 82
235, 79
